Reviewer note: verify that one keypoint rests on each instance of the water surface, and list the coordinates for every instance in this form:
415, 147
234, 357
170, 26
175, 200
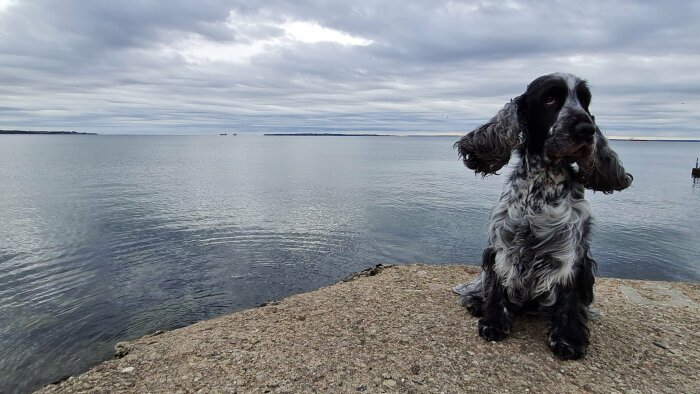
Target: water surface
108, 238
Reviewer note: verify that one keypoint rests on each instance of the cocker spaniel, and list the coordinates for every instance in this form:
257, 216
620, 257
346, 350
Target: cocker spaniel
538, 258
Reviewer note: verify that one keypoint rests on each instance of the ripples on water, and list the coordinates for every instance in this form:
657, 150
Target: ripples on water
107, 238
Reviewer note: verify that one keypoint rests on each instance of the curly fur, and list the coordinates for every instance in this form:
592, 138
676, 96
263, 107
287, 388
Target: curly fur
539, 259
487, 149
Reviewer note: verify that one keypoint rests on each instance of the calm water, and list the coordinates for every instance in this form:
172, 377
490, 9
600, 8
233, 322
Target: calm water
107, 238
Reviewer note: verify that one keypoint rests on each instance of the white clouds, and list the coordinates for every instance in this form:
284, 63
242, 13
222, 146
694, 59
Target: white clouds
196, 48
391, 65
243, 35
310, 32
4, 4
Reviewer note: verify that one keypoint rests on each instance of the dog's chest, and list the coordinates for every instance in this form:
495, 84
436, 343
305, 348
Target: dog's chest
537, 229
532, 205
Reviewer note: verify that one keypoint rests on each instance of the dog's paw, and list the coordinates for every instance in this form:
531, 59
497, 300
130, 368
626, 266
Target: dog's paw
567, 348
493, 330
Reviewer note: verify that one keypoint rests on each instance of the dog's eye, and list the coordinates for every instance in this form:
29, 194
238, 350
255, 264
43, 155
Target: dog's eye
550, 100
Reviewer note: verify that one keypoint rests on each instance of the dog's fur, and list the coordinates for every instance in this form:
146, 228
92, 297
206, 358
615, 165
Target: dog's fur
538, 259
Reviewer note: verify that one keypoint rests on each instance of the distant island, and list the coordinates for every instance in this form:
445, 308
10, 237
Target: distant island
653, 139
326, 135
43, 132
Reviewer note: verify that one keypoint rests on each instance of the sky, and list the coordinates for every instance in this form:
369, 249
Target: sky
392, 66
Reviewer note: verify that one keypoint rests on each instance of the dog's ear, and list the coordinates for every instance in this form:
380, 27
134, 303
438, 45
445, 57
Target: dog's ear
603, 170
488, 148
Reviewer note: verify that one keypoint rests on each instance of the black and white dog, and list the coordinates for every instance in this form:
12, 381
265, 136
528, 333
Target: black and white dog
538, 259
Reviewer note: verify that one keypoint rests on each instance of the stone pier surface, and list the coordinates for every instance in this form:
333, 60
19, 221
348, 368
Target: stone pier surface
399, 329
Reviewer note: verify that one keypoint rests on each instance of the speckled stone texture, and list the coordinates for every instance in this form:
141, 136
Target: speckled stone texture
399, 329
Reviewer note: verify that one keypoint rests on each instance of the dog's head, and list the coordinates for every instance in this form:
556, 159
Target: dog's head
551, 118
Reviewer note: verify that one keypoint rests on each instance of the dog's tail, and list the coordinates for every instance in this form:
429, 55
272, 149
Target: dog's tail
472, 295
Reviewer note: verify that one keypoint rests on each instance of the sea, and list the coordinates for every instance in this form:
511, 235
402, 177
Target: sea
106, 238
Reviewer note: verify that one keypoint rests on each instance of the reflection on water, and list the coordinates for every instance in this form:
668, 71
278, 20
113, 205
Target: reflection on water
107, 238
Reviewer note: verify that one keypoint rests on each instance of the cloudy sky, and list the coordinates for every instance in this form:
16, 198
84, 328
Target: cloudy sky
199, 67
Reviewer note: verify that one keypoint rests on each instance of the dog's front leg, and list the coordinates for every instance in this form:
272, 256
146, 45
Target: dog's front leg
568, 335
495, 323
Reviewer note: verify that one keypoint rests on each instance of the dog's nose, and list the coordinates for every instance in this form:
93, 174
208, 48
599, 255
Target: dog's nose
584, 129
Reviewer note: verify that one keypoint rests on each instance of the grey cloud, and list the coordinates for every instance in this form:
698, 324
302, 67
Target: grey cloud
114, 66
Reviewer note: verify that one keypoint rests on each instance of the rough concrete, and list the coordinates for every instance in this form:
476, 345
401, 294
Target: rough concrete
401, 330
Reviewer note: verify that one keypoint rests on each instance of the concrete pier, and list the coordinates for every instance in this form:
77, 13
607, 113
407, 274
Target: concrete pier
399, 329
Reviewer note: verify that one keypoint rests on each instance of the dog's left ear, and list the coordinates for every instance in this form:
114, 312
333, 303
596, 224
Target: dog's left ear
488, 148
603, 170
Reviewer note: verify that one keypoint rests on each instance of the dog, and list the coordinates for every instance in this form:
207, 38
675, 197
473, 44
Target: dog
538, 258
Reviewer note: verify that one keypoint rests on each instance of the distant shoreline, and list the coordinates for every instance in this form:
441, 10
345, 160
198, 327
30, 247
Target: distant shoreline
638, 139
45, 132
326, 135
612, 138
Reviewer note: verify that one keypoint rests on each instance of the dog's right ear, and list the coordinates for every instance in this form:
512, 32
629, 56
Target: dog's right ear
487, 149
